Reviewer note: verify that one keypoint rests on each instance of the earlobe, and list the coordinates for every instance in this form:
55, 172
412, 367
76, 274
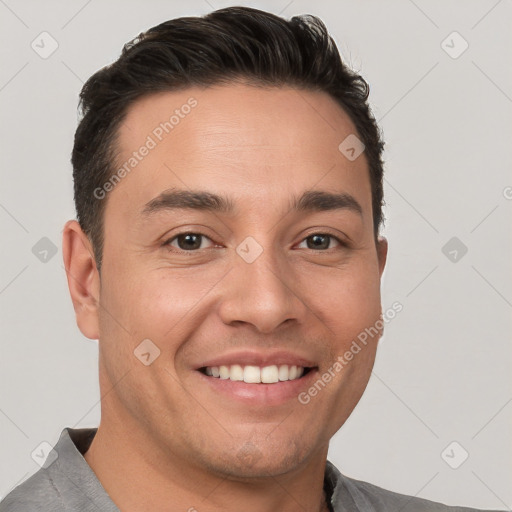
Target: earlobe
382, 253
83, 278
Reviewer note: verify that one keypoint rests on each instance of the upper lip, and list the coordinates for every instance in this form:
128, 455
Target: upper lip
258, 358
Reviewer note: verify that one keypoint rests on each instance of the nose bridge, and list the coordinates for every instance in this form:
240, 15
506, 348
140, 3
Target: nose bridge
260, 290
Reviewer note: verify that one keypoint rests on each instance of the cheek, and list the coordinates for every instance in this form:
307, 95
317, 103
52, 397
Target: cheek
347, 300
165, 301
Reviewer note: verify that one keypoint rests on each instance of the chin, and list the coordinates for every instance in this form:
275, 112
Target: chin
259, 460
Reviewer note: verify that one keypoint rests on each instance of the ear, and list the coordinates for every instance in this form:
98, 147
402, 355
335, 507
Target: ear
83, 278
382, 253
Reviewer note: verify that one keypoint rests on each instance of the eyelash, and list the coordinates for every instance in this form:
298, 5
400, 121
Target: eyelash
181, 251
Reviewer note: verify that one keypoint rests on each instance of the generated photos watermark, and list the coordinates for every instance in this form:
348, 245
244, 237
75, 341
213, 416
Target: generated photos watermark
152, 140
342, 360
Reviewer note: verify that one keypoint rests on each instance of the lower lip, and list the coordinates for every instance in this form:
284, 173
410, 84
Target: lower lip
276, 393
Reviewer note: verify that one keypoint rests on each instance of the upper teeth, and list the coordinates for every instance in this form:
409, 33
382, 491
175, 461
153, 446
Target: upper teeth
255, 374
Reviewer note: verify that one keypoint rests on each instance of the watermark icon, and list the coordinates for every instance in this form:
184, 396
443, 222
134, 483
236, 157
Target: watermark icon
146, 352
351, 147
507, 193
248, 454
454, 45
152, 140
454, 455
44, 250
45, 45
362, 339
44, 455
454, 249
249, 249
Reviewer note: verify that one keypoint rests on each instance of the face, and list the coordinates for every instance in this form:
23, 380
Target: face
281, 269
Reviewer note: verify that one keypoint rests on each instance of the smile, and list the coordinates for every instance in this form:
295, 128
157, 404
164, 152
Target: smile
254, 374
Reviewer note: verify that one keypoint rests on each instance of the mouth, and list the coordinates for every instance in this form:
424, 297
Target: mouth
254, 386
250, 374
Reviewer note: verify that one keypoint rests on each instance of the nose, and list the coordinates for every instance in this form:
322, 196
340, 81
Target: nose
263, 293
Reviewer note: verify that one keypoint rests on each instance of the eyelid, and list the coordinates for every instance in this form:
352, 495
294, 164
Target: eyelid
340, 236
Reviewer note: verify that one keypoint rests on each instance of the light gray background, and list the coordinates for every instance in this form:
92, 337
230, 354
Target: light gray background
443, 368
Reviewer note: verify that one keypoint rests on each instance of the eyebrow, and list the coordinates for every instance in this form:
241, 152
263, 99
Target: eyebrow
310, 201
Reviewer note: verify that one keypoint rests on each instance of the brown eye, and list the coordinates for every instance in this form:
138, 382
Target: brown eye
320, 241
187, 241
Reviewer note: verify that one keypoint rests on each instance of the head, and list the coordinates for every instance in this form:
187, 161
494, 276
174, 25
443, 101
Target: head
219, 212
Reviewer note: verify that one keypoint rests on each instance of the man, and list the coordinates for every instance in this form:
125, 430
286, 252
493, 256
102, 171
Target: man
228, 187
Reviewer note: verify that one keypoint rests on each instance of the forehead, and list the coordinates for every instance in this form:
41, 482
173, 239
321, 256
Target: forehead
262, 144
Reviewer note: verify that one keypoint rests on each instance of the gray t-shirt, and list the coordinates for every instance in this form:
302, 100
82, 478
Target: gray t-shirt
66, 483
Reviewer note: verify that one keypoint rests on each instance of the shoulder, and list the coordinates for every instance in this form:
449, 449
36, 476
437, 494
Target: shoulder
65, 482
31, 494
374, 498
